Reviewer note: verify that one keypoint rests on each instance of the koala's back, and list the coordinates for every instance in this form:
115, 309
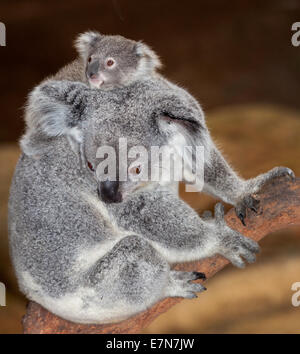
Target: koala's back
53, 224
73, 71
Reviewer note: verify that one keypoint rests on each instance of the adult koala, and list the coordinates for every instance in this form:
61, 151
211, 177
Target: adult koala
96, 251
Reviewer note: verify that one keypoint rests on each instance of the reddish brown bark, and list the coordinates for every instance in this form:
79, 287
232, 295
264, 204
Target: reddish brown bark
279, 208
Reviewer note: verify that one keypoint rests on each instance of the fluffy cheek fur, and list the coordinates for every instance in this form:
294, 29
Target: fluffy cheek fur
181, 138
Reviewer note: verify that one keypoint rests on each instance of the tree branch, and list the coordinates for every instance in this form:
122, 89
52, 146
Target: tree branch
279, 208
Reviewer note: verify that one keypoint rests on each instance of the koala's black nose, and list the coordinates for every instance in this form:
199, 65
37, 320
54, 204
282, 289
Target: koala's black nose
93, 69
108, 192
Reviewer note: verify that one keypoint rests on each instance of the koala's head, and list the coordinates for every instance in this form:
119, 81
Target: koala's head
121, 132
114, 61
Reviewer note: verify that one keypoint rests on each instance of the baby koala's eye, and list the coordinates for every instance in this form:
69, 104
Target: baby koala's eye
110, 62
90, 166
89, 59
136, 170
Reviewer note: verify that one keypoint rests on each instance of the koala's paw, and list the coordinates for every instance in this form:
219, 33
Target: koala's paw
237, 248
254, 185
248, 202
180, 284
233, 245
279, 172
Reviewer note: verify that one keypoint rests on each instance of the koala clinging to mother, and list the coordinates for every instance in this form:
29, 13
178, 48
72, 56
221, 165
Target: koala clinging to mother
99, 251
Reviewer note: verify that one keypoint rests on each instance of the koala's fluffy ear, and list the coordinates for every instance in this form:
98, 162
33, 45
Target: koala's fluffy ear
148, 57
179, 118
181, 111
85, 41
54, 108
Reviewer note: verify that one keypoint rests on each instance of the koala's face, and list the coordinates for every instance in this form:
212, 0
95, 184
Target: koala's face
124, 134
114, 61
111, 61
113, 146
124, 139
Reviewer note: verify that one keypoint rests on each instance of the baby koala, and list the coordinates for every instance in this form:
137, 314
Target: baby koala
109, 61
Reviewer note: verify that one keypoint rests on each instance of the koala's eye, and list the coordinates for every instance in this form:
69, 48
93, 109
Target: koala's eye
89, 59
136, 170
110, 62
90, 166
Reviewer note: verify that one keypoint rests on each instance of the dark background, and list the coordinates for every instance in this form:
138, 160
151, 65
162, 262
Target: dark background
223, 51
237, 59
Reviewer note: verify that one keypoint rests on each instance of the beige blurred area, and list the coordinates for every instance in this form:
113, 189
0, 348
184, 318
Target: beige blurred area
257, 299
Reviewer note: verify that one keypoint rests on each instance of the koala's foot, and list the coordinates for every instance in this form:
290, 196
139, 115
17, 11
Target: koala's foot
233, 245
180, 284
254, 185
248, 202
278, 172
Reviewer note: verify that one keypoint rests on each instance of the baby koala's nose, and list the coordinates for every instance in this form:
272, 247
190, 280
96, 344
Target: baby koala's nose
93, 69
93, 76
108, 192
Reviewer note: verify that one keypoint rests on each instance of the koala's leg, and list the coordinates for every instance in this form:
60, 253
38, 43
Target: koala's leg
133, 276
221, 181
177, 232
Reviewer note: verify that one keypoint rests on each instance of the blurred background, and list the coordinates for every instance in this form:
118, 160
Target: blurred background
237, 59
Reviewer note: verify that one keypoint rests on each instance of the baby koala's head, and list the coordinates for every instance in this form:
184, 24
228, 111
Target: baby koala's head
115, 61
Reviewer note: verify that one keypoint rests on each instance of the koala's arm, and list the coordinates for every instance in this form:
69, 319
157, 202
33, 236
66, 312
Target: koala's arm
54, 107
222, 181
177, 232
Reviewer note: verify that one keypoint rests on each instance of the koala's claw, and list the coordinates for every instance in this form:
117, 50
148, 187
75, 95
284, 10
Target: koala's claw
233, 245
181, 284
242, 218
238, 247
190, 291
283, 172
247, 202
187, 276
199, 275
275, 173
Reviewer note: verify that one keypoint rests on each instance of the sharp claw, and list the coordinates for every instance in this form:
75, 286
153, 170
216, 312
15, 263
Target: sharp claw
242, 218
200, 275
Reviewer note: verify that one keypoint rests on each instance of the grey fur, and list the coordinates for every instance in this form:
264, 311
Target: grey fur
133, 61
88, 261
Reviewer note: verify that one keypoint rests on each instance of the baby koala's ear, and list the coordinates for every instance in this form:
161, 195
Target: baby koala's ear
148, 56
85, 41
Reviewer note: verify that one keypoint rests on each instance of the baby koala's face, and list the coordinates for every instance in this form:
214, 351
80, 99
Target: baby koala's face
114, 61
